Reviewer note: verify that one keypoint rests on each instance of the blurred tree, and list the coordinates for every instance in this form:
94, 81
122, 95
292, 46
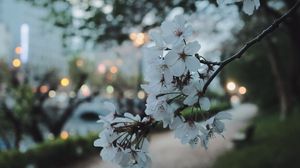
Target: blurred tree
272, 67
23, 106
100, 21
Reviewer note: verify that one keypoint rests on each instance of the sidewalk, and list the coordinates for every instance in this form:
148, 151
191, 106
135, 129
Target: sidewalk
168, 152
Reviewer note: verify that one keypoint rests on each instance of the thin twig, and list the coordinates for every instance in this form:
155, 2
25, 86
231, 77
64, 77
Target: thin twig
250, 43
210, 62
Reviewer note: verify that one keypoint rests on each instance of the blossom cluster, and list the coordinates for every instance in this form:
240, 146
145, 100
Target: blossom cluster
175, 77
123, 139
248, 5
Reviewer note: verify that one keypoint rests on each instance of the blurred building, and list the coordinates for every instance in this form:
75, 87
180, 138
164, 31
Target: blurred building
21, 25
4, 41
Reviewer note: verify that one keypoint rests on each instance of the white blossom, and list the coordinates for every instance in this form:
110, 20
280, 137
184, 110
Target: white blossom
194, 95
175, 31
186, 132
218, 125
250, 5
181, 58
174, 80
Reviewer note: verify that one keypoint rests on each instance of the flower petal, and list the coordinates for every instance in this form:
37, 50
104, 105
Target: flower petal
168, 76
192, 63
156, 37
179, 20
171, 58
190, 100
192, 48
204, 103
223, 116
189, 89
248, 7
198, 84
178, 68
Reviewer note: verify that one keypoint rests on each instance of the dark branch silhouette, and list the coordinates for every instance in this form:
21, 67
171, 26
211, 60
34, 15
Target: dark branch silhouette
249, 44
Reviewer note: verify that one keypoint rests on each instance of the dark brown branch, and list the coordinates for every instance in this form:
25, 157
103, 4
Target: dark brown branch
210, 62
250, 43
206, 62
17, 125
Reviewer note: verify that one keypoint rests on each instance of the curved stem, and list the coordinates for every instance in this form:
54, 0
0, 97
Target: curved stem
250, 43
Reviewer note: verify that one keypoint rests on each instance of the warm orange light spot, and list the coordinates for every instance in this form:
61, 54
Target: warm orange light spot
44, 89
18, 50
64, 135
113, 69
138, 39
141, 94
242, 90
65, 82
16, 63
132, 36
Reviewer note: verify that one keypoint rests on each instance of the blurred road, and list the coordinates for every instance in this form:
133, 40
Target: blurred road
168, 152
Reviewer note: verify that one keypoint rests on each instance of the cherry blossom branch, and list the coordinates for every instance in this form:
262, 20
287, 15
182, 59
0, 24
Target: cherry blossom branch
250, 43
206, 62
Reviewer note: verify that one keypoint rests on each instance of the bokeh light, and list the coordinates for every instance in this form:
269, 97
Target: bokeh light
16, 63
110, 89
65, 82
141, 94
242, 90
113, 69
101, 68
79, 63
64, 135
234, 99
44, 89
52, 93
231, 86
138, 39
85, 90
18, 50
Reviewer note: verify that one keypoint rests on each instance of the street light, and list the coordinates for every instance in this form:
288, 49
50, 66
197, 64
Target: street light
113, 69
16, 63
65, 82
18, 50
231, 86
52, 93
242, 90
44, 89
64, 135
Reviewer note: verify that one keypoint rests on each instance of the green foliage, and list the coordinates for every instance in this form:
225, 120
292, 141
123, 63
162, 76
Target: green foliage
52, 153
276, 144
215, 108
4, 71
254, 70
79, 70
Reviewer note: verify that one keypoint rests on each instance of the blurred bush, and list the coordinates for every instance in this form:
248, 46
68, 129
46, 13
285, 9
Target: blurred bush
52, 153
275, 144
